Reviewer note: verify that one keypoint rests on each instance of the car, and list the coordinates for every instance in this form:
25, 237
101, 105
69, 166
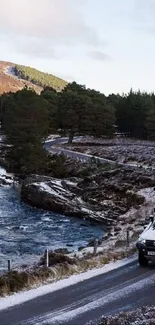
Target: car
146, 243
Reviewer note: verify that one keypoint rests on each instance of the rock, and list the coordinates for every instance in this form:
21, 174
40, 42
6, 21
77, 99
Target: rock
49, 194
80, 248
105, 195
110, 234
62, 251
105, 237
6, 180
91, 243
117, 229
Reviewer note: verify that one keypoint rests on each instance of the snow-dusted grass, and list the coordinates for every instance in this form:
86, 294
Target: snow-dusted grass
134, 153
22, 297
140, 316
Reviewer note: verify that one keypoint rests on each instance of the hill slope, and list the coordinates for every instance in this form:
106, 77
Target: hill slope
14, 77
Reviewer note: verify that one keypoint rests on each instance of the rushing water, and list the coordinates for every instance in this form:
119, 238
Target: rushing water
26, 232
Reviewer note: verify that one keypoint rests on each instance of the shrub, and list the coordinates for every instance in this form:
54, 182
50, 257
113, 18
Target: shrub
57, 258
16, 281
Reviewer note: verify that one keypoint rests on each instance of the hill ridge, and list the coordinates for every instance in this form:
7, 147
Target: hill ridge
14, 77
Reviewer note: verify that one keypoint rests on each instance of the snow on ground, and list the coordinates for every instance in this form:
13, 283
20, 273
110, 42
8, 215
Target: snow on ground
134, 153
140, 316
10, 71
148, 193
52, 137
22, 297
51, 190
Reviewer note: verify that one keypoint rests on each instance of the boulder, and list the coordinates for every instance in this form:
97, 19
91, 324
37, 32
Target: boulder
59, 196
50, 194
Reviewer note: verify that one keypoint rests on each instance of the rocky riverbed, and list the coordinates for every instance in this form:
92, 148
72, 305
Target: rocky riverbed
118, 197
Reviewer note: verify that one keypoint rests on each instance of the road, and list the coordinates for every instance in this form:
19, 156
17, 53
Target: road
124, 288
77, 155
72, 154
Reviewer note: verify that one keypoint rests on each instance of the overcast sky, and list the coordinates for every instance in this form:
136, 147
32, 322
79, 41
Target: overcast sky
108, 45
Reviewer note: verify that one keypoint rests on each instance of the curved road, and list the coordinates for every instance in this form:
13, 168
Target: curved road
125, 288
72, 154
78, 155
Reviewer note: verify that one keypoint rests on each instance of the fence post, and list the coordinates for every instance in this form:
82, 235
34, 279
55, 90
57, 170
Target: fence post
46, 258
95, 246
127, 238
9, 265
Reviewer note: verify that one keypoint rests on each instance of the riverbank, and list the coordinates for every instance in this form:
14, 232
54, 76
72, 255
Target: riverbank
62, 267
110, 195
26, 232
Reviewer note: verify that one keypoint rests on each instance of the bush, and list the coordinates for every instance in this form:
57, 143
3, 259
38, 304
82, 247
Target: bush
57, 258
16, 281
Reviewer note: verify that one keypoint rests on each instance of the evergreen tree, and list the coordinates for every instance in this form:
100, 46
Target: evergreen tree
25, 125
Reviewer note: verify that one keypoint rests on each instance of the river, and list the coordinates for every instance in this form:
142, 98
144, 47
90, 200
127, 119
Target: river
26, 232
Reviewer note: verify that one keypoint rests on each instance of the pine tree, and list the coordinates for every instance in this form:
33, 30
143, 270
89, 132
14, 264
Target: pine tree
25, 125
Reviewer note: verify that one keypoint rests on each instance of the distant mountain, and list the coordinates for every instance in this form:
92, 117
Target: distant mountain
14, 77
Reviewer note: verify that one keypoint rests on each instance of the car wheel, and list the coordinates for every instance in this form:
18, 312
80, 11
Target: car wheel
142, 259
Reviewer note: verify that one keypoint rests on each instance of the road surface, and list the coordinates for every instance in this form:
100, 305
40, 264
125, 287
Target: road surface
124, 288
77, 155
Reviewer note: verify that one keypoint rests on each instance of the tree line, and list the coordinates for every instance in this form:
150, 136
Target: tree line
28, 118
39, 78
135, 114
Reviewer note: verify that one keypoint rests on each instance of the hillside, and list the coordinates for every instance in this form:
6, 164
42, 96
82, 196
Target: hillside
39, 78
14, 77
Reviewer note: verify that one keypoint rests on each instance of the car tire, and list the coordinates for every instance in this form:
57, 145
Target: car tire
142, 259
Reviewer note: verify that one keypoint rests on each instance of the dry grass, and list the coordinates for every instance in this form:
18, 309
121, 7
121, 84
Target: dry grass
62, 266
9, 83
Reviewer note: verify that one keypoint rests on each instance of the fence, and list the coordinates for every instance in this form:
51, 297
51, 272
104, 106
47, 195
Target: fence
95, 248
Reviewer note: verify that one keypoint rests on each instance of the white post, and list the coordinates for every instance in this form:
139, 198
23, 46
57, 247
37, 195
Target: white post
95, 246
46, 258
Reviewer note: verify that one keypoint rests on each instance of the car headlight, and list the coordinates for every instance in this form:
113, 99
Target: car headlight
141, 240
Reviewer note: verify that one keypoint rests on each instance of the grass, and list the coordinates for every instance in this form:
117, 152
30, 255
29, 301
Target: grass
39, 78
61, 267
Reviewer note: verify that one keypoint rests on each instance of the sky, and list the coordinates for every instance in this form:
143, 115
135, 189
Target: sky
108, 45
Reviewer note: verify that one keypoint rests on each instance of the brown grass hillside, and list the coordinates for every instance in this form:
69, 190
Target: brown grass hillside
14, 77
11, 83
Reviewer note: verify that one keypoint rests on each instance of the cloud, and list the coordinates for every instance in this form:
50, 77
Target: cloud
99, 55
38, 27
33, 46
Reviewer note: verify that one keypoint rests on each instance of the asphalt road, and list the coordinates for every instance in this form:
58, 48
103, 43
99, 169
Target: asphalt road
72, 154
77, 155
124, 288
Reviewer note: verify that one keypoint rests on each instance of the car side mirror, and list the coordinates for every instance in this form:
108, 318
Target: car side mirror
145, 226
